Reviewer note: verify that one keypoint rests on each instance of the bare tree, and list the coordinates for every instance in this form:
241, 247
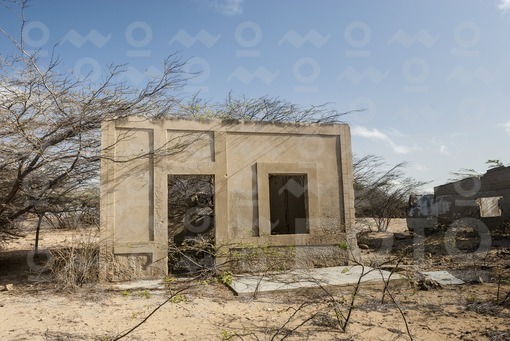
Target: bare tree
494, 163
382, 192
50, 120
50, 125
464, 173
263, 109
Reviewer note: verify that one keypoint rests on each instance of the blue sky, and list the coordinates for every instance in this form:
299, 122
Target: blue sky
433, 76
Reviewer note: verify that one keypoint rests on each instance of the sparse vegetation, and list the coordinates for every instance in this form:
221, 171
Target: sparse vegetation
301, 314
76, 264
226, 277
225, 335
382, 191
144, 294
178, 298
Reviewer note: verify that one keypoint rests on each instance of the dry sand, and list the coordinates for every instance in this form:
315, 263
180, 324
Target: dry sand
36, 311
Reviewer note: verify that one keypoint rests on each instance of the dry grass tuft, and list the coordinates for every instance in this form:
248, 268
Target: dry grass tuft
78, 263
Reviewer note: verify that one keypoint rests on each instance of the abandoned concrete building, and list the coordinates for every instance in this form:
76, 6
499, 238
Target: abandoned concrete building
485, 198
245, 185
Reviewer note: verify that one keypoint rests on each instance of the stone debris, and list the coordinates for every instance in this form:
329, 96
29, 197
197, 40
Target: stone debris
426, 284
139, 285
7, 287
442, 277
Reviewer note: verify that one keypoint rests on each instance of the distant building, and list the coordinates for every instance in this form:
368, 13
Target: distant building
486, 198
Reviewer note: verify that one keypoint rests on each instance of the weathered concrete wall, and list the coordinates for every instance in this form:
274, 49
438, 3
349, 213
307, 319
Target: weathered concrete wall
482, 198
422, 212
139, 155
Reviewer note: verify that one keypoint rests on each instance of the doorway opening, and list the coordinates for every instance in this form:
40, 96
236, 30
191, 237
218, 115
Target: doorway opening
190, 223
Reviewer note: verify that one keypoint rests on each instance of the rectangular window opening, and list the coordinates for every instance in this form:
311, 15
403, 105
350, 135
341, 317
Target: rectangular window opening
288, 202
489, 207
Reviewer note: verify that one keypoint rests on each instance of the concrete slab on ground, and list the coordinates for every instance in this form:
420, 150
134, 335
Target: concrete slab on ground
442, 277
307, 278
139, 285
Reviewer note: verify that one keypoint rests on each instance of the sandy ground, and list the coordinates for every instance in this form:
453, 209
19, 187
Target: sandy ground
209, 311
212, 313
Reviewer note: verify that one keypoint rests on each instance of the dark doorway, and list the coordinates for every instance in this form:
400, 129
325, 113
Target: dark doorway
288, 201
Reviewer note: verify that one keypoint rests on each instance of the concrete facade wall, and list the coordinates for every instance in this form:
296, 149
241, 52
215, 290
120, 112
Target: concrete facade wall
138, 156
